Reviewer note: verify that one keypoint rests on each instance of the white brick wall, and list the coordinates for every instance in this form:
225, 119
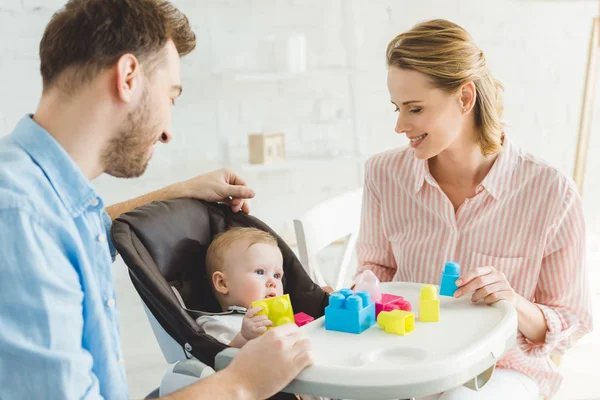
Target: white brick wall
537, 48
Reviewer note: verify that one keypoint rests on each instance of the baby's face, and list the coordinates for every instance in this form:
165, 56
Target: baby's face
253, 273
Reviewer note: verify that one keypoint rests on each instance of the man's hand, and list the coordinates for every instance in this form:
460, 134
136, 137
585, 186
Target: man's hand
267, 364
486, 283
219, 186
222, 186
254, 325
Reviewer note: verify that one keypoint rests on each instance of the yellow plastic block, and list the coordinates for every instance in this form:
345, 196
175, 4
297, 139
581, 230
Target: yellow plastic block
397, 321
429, 304
277, 309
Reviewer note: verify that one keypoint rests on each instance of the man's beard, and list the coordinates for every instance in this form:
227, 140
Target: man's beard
126, 155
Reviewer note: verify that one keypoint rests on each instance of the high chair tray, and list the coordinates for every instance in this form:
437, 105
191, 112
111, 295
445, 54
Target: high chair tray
437, 356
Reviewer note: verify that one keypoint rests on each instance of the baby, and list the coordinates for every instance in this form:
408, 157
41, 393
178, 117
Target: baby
244, 265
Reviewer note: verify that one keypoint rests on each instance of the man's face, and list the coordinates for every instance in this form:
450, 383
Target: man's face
128, 153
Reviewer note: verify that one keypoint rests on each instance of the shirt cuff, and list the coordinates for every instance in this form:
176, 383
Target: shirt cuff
555, 334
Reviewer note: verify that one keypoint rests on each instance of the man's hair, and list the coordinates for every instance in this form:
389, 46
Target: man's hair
223, 241
87, 36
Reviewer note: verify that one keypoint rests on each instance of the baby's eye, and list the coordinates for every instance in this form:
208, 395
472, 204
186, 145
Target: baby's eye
277, 276
260, 271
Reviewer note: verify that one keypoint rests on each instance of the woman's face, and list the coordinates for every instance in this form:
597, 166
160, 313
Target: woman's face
431, 118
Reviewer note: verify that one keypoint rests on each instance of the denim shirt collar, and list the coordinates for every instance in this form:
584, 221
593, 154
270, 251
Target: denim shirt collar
72, 187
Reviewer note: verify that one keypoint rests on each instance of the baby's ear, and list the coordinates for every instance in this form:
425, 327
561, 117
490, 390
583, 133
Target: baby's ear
219, 281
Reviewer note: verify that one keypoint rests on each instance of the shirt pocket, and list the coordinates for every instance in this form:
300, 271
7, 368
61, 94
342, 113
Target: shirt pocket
511, 267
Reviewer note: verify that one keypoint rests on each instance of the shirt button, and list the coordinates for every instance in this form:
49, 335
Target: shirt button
479, 189
101, 238
110, 303
466, 201
95, 202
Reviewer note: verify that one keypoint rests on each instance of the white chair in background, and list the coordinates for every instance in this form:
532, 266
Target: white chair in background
327, 222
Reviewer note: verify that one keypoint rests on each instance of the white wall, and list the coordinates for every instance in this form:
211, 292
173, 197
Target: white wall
339, 110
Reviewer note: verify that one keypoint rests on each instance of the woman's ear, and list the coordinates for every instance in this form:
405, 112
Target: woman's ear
219, 281
468, 96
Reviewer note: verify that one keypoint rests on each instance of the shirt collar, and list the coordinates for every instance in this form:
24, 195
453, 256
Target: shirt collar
495, 181
72, 187
422, 175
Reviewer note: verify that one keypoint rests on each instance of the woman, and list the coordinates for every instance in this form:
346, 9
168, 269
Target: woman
462, 191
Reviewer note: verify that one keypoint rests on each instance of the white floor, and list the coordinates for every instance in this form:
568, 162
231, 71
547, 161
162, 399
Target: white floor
145, 364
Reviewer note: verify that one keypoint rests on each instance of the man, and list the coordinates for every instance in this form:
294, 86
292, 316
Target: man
110, 72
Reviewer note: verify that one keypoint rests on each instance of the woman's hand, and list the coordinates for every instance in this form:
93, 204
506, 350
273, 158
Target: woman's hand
254, 325
485, 283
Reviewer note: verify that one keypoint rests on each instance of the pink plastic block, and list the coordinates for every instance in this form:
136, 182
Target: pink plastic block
302, 319
389, 302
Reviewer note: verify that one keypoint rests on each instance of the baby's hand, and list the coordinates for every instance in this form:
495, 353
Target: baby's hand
254, 325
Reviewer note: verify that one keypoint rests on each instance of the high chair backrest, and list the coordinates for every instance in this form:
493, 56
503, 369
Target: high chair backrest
171, 350
334, 219
164, 246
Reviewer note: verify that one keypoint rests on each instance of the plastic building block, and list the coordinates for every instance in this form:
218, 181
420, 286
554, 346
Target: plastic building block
349, 311
429, 305
389, 302
277, 309
397, 321
369, 282
449, 277
302, 319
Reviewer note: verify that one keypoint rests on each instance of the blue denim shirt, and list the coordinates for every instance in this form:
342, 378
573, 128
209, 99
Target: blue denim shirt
59, 334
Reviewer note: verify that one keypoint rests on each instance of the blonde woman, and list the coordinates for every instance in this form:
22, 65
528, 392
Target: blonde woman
463, 191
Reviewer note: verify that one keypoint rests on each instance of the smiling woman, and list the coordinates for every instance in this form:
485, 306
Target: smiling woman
463, 191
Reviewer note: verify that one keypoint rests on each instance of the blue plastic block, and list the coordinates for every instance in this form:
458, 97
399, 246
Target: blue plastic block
449, 276
350, 312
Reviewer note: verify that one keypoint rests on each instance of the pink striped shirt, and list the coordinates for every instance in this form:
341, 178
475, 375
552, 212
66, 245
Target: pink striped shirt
526, 220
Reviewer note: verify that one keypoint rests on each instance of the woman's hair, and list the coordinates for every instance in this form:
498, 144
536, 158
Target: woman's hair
447, 54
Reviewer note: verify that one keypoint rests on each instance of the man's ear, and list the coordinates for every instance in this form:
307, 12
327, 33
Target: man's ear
128, 76
219, 281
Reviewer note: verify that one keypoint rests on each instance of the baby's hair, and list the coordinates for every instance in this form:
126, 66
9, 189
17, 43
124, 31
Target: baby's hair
223, 241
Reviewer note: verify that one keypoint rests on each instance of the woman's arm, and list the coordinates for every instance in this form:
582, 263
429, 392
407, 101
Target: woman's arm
373, 248
560, 312
490, 285
532, 323
563, 293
